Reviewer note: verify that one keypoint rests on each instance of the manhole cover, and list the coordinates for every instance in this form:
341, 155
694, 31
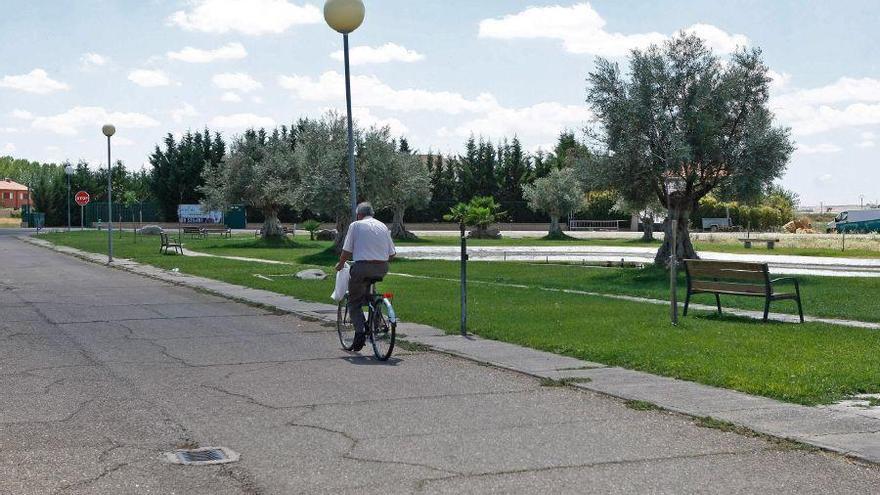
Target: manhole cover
201, 457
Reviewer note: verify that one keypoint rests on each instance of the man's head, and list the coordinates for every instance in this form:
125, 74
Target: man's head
364, 210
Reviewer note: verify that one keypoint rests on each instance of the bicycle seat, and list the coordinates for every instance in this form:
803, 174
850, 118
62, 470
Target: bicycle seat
373, 280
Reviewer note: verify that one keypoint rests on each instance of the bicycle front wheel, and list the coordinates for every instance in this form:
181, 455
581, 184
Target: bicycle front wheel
384, 328
344, 326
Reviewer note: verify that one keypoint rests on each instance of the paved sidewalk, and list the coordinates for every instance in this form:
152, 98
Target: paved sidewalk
109, 369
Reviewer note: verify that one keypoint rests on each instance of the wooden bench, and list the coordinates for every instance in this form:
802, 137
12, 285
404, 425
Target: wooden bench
194, 232
747, 242
168, 243
222, 230
286, 230
737, 279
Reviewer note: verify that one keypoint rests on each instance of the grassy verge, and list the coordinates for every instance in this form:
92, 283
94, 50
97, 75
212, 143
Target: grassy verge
827, 297
808, 364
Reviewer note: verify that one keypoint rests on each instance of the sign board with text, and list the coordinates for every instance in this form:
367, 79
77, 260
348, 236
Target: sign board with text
196, 214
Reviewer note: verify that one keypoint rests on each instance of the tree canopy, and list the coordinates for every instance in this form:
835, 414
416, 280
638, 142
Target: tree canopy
682, 113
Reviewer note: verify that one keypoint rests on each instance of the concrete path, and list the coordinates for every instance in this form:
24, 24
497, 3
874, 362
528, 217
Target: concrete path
779, 264
102, 370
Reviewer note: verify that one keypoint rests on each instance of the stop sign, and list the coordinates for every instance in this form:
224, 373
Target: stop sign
82, 198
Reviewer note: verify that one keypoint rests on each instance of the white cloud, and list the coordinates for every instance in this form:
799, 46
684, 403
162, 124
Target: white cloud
90, 59
389, 52
236, 81
21, 114
8, 130
823, 148
149, 78
123, 141
36, 81
719, 40
778, 80
179, 114
8, 149
582, 31
71, 121
867, 140
847, 102
365, 118
257, 99
825, 178
230, 97
536, 120
253, 17
369, 91
229, 51
241, 121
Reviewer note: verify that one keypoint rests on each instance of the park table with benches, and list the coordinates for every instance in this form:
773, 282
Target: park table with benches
747, 242
737, 279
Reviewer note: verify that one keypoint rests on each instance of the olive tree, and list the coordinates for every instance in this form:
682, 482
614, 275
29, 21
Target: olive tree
557, 194
258, 172
321, 158
682, 113
393, 179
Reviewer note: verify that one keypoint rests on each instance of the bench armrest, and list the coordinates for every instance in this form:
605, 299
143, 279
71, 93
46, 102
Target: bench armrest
797, 285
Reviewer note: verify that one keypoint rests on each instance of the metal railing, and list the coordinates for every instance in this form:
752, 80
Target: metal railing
607, 225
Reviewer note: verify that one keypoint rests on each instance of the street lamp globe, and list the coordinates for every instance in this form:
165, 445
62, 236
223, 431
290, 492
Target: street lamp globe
344, 16
68, 169
108, 130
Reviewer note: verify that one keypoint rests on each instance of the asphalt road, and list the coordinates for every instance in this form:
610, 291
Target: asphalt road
101, 371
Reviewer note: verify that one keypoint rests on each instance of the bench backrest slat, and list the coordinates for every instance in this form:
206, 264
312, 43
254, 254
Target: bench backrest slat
703, 285
726, 270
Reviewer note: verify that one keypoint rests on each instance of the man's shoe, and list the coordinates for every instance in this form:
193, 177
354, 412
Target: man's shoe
360, 339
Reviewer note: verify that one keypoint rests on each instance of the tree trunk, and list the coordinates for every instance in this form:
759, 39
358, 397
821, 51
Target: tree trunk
648, 228
398, 229
555, 229
342, 221
271, 225
683, 249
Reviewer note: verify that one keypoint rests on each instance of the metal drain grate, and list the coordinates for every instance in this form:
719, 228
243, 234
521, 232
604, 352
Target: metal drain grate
202, 457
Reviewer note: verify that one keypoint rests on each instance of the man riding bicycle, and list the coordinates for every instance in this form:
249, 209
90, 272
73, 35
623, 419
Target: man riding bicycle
369, 244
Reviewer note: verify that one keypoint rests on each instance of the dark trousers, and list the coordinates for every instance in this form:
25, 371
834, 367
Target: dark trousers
358, 287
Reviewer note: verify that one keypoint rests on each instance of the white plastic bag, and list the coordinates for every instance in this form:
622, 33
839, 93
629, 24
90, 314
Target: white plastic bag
342, 278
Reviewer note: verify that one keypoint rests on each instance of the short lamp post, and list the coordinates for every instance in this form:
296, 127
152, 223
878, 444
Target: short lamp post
109, 130
344, 16
68, 170
674, 185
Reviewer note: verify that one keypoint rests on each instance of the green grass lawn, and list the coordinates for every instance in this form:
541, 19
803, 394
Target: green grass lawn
808, 364
828, 297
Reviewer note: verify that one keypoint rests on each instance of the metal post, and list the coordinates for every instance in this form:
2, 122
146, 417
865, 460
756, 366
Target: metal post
464, 258
673, 271
109, 205
82, 218
351, 171
68, 201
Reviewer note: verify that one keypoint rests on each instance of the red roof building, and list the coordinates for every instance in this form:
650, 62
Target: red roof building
13, 194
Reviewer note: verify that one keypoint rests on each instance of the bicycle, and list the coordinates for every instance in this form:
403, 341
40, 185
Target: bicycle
381, 326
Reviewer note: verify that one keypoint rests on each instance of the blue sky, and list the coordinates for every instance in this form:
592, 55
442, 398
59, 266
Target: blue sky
434, 70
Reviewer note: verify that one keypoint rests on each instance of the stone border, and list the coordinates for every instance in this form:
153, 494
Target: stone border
848, 433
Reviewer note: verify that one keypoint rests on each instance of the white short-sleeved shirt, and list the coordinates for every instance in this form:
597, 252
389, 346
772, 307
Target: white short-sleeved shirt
369, 240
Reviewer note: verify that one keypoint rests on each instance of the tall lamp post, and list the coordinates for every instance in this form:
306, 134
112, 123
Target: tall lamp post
109, 130
344, 16
68, 170
673, 186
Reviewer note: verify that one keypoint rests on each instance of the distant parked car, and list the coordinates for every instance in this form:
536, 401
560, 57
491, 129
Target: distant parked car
717, 224
856, 221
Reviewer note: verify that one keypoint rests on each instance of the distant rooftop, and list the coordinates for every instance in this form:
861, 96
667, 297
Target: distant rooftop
9, 185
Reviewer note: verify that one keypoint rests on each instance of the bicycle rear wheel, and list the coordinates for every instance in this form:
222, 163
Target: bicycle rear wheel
383, 329
344, 327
